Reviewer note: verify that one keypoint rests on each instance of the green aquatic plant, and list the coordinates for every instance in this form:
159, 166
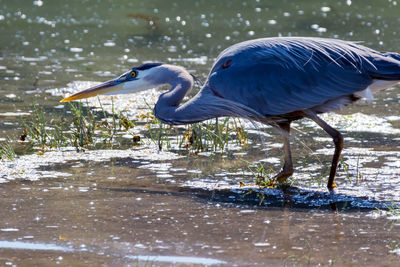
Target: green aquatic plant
36, 127
125, 122
88, 128
6, 151
261, 198
242, 135
304, 260
85, 128
317, 178
108, 125
262, 175
156, 132
214, 135
394, 246
91, 127
358, 175
211, 135
393, 209
44, 132
392, 212
159, 135
346, 169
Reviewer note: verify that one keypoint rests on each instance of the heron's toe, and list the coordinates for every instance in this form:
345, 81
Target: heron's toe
282, 176
332, 187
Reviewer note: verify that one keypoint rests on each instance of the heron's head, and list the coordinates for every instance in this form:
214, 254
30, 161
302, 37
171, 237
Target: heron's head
143, 77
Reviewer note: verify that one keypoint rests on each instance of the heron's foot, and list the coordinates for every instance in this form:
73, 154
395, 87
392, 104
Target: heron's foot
282, 176
333, 187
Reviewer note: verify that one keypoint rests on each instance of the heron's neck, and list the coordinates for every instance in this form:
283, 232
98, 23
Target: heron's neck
203, 106
180, 86
181, 82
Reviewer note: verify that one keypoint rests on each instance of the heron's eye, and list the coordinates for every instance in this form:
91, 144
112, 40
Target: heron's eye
133, 74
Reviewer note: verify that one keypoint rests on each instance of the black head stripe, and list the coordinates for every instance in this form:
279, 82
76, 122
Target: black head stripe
146, 66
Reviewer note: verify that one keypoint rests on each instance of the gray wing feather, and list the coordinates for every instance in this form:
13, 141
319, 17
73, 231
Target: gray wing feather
282, 75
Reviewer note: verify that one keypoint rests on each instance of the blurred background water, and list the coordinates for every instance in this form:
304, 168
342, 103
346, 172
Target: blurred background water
57, 42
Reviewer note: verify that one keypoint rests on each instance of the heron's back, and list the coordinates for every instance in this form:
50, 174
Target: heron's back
302, 51
282, 75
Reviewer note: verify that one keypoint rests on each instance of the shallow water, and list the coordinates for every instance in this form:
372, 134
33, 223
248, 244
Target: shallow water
141, 206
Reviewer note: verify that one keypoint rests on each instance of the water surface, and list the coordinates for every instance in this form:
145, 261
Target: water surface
139, 206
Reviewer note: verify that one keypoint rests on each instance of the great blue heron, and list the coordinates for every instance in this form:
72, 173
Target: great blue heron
271, 80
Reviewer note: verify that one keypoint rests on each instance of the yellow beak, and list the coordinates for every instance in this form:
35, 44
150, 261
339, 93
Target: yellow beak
107, 87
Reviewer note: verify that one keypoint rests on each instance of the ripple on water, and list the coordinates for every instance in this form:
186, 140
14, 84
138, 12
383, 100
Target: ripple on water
14, 114
32, 246
177, 259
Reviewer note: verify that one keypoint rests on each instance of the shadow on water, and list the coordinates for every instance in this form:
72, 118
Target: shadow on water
284, 197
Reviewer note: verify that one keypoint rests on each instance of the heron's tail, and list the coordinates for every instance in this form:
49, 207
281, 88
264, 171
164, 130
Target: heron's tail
387, 67
393, 55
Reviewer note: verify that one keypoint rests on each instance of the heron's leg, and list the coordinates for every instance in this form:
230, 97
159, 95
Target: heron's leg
337, 140
287, 169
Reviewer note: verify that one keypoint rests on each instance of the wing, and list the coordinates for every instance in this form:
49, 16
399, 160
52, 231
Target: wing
287, 76
272, 89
